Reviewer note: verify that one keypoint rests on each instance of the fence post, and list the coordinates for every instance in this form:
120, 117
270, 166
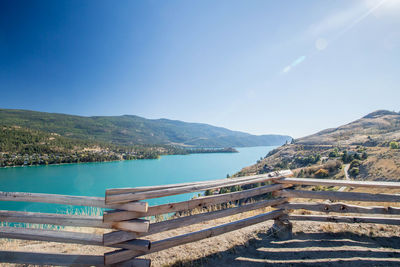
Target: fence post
282, 228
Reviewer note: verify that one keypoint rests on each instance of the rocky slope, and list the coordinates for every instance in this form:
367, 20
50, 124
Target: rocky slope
369, 145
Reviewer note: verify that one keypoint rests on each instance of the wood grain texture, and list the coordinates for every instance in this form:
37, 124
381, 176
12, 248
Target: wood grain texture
340, 208
329, 182
71, 200
134, 263
340, 196
68, 237
136, 225
121, 236
50, 235
117, 191
123, 255
126, 197
345, 219
52, 218
37, 258
113, 216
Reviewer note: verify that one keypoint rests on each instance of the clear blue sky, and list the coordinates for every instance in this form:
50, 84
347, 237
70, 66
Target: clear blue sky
290, 67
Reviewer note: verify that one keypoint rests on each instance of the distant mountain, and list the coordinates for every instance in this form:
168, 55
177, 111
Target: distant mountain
372, 129
132, 130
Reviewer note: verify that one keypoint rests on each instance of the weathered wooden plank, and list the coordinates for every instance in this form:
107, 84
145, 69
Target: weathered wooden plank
122, 255
340, 208
50, 235
110, 216
136, 225
122, 198
116, 237
71, 200
134, 263
138, 206
117, 191
50, 259
330, 182
68, 237
203, 217
52, 218
120, 236
345, 219
136, 244
335, 195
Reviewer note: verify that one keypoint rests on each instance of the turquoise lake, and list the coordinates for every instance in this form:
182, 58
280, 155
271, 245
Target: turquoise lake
92, 179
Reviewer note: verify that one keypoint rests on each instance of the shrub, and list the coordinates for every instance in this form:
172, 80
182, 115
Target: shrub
394, 145
224, 190
354, 171
311, 159
209, 192
334, 153
321, 173
346, 157
235, 188
355, 163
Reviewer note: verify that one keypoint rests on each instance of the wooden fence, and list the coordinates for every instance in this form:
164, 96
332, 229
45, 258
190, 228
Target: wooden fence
129, 216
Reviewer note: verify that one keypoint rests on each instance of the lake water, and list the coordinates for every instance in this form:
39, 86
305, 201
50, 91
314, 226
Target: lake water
92, 179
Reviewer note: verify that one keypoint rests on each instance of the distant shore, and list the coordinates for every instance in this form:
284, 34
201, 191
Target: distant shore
39, 160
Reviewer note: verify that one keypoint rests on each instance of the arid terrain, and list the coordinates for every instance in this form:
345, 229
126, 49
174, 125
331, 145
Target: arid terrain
370, 144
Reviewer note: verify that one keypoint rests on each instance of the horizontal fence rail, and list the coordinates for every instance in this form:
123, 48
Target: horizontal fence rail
120, 236
70, 200
130, 218
335, 195
118, 215
340, 208
116, 256
196, 187
347, 183
345, 219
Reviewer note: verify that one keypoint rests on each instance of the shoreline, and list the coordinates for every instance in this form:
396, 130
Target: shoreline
222, 151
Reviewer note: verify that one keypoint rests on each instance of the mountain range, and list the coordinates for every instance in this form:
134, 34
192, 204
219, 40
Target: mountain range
134, 130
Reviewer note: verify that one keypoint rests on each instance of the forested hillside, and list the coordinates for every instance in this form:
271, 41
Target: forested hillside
134, 130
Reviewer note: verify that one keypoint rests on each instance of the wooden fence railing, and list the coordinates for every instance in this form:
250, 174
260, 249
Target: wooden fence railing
339, 207
129, 217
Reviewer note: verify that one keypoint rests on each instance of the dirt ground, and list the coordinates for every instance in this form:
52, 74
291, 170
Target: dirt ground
313, 244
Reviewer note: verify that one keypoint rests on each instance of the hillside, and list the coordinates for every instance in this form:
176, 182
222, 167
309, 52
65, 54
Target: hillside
371, 130
21, 146
369, 147
131, 130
